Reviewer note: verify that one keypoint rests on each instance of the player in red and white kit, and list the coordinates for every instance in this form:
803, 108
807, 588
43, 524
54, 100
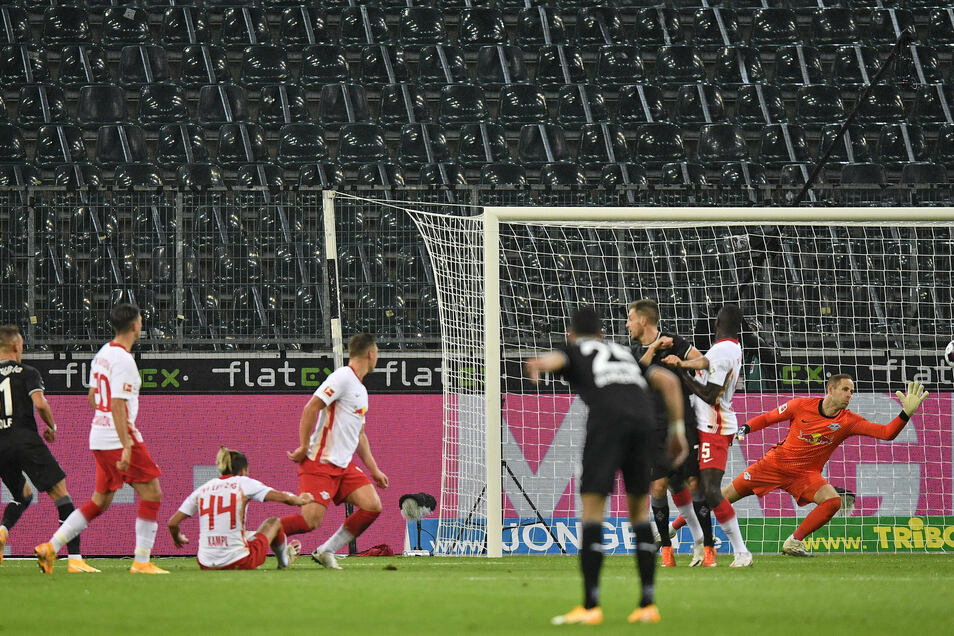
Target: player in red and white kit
717, 374
325, 453
120, 453
224, 543
818, 426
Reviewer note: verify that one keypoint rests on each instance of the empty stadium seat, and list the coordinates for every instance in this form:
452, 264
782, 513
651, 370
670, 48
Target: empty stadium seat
558, 66
342, 104
140, 65
221, 104
542, 143
683, 173
819, 105
381, 173
759, 104
617, 65
564, 174
123, 143
699, 104
885, 25
178, 144
923, 173
901, 143
798, 65
383, 64
439, 65
658, 143
598, 26
161, 104
12, 145
774, 27
300, 144
438, 174
521, 104
125, 25
244, 26
57, 144
479, 27
602, 143
624, 174
282, 104
100, 104
579, 104
883, 105
132, 175
321, 175
81, 65
15, 26
363, 25
715, 27
203, 64
640, 104
402, 104
303, 26
855, 65
738, 65
19, 175
41, 104
833, 27
539, 26
850, 147
199, 176
932, 105
241, 143
677, 65
940, 27
462, 104
743, 174
361, 143
863, 174
423, 143
919, 65
184, 25
23, 64
721, 143
263, 65
503, 174
482, 143
658, 26
65, 25
500, 65
783, 144
323, 64
421, 26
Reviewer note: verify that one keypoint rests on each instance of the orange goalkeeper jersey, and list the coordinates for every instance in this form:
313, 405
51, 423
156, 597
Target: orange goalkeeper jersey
813, 437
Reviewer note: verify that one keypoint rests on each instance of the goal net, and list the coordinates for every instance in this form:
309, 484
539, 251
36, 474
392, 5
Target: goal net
837, 294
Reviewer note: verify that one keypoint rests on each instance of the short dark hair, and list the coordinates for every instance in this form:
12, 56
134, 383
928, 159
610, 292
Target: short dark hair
730, 316
585, 322
8, 333
360, 344
647, 307
123, 316
838, 377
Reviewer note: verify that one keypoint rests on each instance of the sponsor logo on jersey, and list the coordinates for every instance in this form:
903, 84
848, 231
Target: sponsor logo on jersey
329, 391
127, 387
747, 476
783, 408
815, 439
361, 411
324, 495
834, 426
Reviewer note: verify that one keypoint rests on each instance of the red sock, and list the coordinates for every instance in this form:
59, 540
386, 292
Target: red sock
295, 524
678, 522
724, 511
90, 511
682, 498
279, 538
148, 510
359, 521
818, 517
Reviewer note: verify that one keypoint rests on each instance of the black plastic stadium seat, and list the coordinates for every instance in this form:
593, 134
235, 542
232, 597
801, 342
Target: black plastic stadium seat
162, 104
640, 104
439, 65
715, 27
658, 26
323, 64
932, 105
264, 64
542, 143
100, 104
774, 27
601, 143
23, 64
361, 143
342, 104
598, 26
500, 65
819, 105
743, 174
15, 24
539, 26
683, 173
203, 64
940, 28
677, 65
181, 144
383, 64
41, 104
883, 105
783, 144
442, 174
624, 174
381, 173
12, 145
198, 176
78, 175
421, 26
480, 27
244, 26
222, 104
850, 147
282, 104
482, 143
580, 104
185, 25
558, 66
563, 174
833, 28
902, 143
402, 104
919, 66
301, 144
321, 175
124, 143
81, 65
798, 65
59, 143
140, 65
618, 65
721, 143
699, 104
65, 25
303, 26
521, 104
132, 175
738, 65
361, 26
855, 65
462, 104
19, 175
241, 143
503, 174
863, 174
658, 143
421, 144
125, 25
885, 26
759, 104
923, 173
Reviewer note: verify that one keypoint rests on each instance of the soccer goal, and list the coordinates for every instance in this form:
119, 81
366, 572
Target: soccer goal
824, 291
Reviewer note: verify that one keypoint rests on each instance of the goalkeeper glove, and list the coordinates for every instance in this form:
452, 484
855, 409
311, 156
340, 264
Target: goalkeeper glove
913, 398
744, 430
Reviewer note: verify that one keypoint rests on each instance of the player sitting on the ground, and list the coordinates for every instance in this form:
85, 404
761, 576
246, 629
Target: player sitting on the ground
223, 541
818, 426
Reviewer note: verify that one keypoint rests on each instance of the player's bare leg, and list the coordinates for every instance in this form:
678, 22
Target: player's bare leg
711, 480
828, 502
74, 524
76, 564
368, 505
694, 512
591, 561
285, 551
150, 495
645, 560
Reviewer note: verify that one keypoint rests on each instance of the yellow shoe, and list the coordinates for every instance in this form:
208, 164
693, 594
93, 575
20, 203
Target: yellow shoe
45, 556
648, 614
4, 535
80, 565
668, 557
579, 615
146, 568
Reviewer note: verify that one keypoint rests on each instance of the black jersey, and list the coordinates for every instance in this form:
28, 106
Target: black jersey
680, 347
17, 384
608, 379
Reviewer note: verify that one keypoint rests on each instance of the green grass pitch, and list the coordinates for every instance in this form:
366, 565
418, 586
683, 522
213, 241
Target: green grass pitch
857, 594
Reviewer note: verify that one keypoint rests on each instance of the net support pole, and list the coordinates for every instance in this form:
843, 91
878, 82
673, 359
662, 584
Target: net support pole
492, 401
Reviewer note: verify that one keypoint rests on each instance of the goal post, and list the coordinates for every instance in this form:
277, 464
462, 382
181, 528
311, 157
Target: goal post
866, 291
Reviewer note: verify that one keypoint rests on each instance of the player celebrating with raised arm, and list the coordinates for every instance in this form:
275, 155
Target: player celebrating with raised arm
818, 426
223, 544
619, 437
718, 371
650, 346
22, 450
118, 448
325, 453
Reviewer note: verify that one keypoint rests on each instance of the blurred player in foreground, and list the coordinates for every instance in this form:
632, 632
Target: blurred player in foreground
118, 448
817, 427
325, 453
223, 541
619, 437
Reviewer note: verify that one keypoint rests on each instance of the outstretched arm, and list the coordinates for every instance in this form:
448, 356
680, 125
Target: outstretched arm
547, 363
289, 498
910, 402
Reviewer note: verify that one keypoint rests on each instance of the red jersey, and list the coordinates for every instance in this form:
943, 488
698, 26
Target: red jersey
813, 437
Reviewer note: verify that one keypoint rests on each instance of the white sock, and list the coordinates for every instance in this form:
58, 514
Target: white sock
78, 557
145, 538
689, 514
69, 529
338, 540
731, 529
281, 554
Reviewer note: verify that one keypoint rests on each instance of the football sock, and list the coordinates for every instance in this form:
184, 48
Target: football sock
725, 514
661, 516
683, 501
591, 560
338, 540
645, 560
64, 508
279, 545
74, 524
704, 515
818, 517
359, 520
146, 527
295, 524
11, 514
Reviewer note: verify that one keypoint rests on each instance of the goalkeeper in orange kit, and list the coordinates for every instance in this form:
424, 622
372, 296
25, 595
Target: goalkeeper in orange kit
818, 426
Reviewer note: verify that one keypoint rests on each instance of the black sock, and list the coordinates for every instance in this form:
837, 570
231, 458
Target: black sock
591, 560
661, 515
645, 560
64, 507
705, 520
11, 514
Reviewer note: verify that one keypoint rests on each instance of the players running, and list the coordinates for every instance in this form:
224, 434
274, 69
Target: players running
22, 450
817, 427
717, 374
223, 542
118, 448
325, 453
650, 346
619, 438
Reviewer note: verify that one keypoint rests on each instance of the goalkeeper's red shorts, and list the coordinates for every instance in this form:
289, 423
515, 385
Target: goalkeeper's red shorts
327, 482
764, 476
